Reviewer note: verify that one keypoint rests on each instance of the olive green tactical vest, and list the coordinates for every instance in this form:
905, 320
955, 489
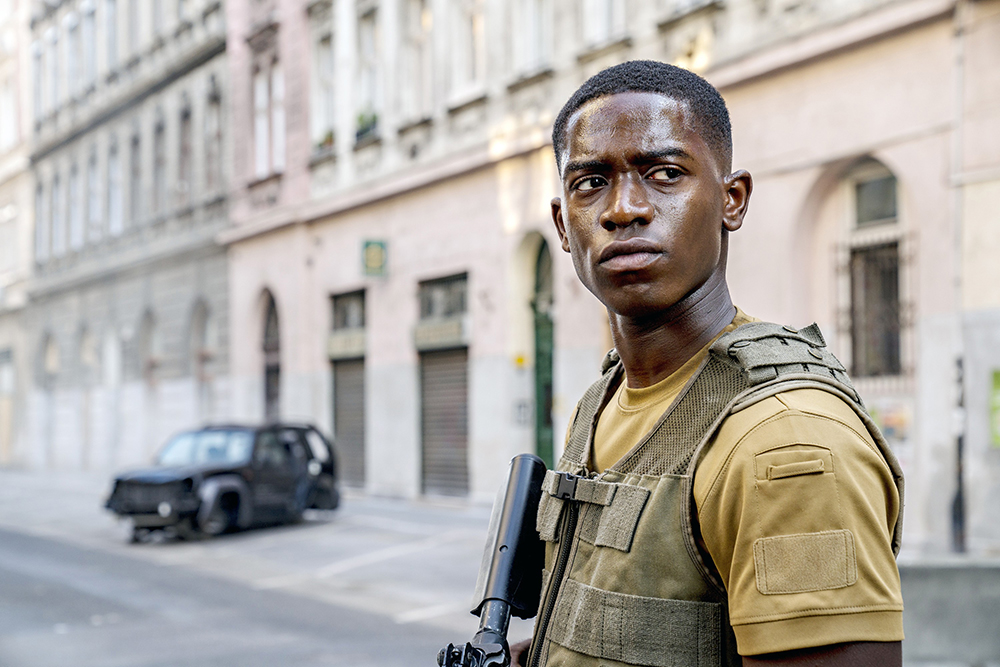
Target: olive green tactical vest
625, 581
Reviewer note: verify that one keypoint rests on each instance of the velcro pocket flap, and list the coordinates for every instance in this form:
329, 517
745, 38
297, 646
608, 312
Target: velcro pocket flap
792, 461
805, 562
794, 469
619, 520
547, 521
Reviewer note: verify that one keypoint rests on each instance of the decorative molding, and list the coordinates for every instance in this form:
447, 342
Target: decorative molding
802, 49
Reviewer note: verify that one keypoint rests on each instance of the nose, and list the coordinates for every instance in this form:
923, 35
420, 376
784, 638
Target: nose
628, 203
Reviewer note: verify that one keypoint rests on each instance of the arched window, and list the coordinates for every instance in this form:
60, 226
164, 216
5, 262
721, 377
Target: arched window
874, 272
49, 362
199, 347
272, 360
149, 352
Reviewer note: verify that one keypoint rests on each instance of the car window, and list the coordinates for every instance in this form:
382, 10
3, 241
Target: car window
318, 446
213, 446
292, 441
270, 451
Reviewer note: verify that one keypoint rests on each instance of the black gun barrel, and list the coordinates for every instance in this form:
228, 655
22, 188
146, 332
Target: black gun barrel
510, 578
512, 561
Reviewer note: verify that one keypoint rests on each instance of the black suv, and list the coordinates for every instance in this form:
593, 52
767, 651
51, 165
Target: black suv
225, 477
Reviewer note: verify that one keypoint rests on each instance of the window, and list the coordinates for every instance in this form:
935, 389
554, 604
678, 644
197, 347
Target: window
874, 273
875, 201
157, 17
417, 64
75, 209
94, 230
38, 80
111, 31
135, 181
89, 59
57, 213
184, 157
115, 209
159, 167
349, 311
529, 39
602, 21
269, 121
52, 65
8, 115
213, 138
323, 111
443, 298
875, 322
368, 75
133, 27
469, 61
72, 56
277, 119
41, 226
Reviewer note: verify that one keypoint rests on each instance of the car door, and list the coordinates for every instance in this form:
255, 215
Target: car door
272, 472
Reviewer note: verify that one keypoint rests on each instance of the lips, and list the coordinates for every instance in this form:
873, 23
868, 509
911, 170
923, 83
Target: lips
631, 254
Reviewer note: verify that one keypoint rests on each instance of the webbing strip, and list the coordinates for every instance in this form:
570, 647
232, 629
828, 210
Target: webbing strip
635, 629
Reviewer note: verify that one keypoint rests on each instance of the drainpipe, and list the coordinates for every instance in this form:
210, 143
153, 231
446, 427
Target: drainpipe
958, 514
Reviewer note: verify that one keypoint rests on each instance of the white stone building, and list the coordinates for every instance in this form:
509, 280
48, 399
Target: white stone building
16, 218
128, 312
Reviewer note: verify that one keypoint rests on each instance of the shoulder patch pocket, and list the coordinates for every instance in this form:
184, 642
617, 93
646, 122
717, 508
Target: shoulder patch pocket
805, 562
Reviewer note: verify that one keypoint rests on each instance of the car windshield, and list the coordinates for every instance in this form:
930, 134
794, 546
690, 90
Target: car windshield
228, 447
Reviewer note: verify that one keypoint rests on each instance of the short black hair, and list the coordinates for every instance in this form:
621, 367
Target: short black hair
650, 76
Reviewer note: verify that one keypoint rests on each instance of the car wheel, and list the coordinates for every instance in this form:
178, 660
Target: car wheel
217, 521
186, 529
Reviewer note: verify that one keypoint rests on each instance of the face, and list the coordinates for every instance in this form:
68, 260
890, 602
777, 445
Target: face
644, 203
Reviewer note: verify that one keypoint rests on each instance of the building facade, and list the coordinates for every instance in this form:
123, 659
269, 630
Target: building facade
395, 267
15, 224
128, 314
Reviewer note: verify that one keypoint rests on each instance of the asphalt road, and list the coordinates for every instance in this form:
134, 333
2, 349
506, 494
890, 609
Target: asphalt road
378, 582
63, 605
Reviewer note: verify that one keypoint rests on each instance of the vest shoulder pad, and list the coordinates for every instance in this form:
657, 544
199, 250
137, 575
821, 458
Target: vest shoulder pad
766, 352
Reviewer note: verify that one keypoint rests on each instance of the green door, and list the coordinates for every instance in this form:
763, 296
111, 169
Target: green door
542, 306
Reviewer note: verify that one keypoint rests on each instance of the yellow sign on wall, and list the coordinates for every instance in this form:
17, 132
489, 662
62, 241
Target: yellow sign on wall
374, 258
995, 410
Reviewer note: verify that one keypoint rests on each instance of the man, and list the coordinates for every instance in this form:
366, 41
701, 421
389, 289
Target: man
723, 496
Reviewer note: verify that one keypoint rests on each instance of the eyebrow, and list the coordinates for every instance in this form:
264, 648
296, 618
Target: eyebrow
651, 156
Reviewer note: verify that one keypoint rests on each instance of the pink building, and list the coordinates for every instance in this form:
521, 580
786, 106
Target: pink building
394, 275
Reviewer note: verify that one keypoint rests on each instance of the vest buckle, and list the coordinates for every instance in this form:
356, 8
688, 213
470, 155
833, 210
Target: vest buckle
566, 487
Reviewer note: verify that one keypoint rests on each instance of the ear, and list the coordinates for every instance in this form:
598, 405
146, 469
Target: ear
738, 185
557, 218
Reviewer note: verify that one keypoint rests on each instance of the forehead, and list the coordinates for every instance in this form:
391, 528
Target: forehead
638, 121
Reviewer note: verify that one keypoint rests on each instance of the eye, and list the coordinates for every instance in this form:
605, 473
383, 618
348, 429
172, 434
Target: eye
667, 173
589, 183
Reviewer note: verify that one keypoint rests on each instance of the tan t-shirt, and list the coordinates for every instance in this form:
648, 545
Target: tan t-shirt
796, 507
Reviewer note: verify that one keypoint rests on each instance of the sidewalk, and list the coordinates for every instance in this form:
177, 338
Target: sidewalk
412, 561
417, 561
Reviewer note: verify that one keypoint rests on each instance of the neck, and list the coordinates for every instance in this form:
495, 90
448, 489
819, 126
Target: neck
652, 347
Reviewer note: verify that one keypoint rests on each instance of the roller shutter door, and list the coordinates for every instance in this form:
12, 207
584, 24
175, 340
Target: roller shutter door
349, 420
444, 391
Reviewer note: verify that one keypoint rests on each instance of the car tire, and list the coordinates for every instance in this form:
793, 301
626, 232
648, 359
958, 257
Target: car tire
217, 522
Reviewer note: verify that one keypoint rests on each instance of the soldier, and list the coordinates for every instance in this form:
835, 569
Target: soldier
723, 495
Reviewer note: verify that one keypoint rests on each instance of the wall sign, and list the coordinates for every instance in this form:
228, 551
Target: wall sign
995, 410
374, 258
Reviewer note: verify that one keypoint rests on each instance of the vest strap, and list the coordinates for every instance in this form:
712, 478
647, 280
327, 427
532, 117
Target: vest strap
638, 630
611, 519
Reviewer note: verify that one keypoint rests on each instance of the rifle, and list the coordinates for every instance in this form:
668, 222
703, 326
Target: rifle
510, 577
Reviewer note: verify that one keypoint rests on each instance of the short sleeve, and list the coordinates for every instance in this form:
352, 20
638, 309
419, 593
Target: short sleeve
797, 507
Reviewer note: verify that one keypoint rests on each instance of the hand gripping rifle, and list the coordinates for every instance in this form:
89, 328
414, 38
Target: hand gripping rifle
510, 578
